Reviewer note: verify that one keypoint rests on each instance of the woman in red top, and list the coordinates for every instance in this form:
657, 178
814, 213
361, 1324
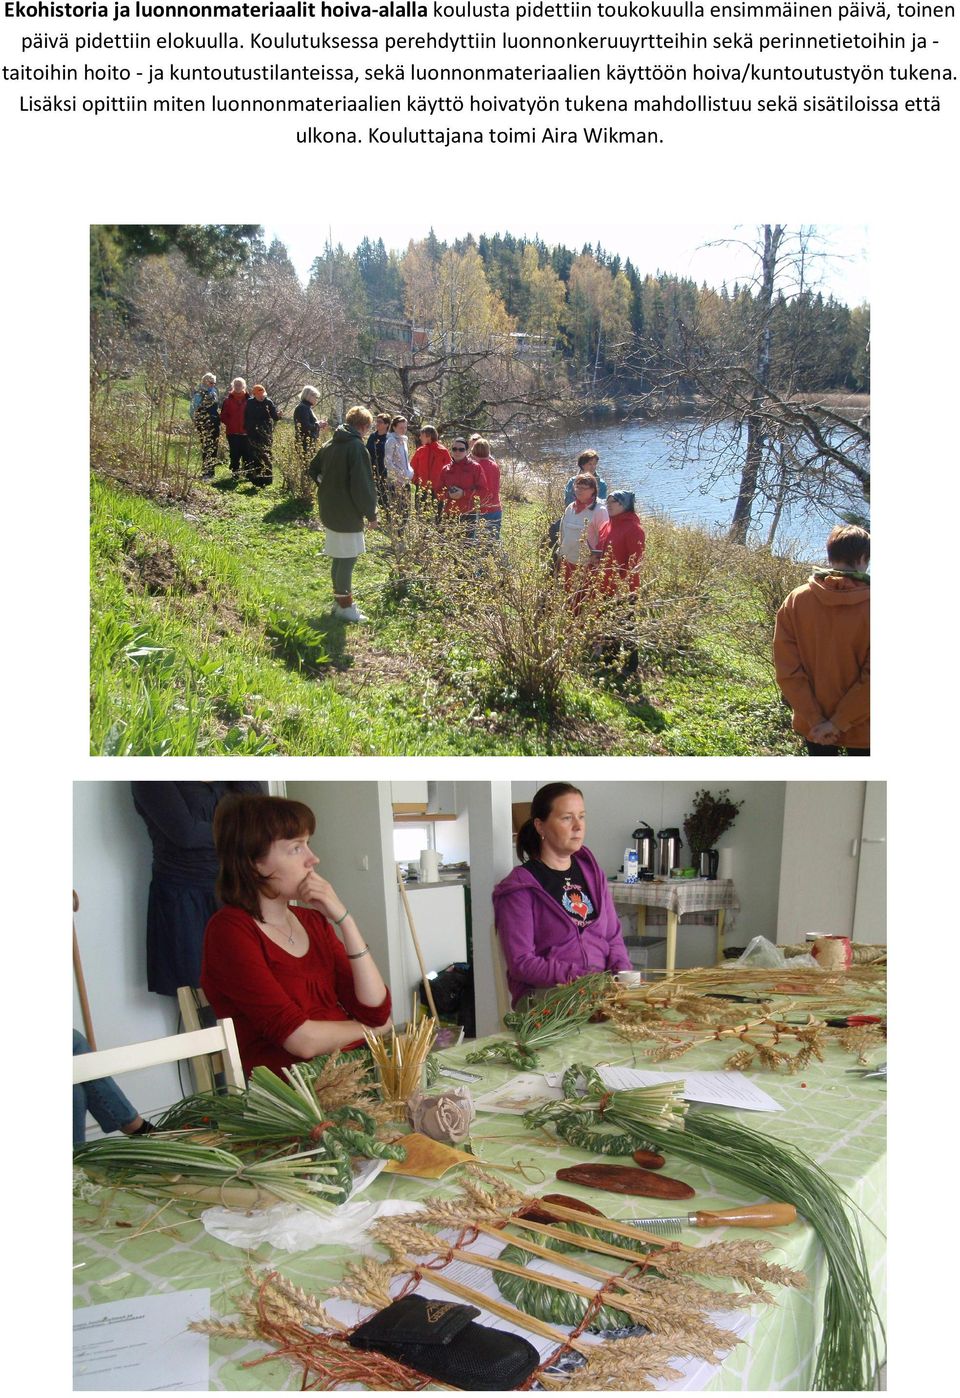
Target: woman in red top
491, 511
292, 988
622, 539
429, 460
232, 415
463, 485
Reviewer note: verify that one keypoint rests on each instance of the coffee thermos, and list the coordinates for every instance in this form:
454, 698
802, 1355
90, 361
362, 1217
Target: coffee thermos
646, 847
709, 863
668, 850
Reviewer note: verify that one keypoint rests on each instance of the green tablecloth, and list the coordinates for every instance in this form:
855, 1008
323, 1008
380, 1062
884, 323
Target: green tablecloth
837, 1118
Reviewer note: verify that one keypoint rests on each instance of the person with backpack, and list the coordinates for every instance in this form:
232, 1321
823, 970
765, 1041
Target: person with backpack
205, 416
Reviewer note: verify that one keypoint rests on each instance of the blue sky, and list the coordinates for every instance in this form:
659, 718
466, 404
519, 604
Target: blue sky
681, 249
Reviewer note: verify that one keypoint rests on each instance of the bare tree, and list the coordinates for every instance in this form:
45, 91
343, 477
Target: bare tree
742, 511
261, 324
494, 388
786, 447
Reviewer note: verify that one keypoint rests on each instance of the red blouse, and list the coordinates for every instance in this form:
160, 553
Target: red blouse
268, 993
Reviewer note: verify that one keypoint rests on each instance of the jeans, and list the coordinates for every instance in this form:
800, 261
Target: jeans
101, 1098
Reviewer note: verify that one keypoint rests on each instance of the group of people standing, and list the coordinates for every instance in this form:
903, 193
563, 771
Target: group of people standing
464, 480
246, 418
598, 530
366, 474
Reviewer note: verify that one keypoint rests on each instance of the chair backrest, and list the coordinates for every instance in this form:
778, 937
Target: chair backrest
105, 1063
499, 975
196, 1013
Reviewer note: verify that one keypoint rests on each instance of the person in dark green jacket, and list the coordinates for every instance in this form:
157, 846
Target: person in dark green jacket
347, 500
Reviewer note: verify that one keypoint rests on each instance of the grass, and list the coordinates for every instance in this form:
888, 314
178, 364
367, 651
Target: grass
211, 635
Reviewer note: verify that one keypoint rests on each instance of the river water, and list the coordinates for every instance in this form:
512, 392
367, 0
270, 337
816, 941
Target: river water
678, 472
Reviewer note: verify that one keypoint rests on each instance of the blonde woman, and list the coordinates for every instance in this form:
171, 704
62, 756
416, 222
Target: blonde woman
347, 500
205, 414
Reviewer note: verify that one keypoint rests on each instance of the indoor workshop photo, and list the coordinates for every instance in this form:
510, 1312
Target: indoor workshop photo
486, 1084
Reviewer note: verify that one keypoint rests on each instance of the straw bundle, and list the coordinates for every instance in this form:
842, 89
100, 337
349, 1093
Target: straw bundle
400, 1060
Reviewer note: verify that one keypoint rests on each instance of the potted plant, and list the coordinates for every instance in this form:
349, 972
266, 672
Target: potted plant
711, 817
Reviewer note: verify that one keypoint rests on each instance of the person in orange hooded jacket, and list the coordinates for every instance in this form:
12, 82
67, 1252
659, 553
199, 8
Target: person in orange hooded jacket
821, 649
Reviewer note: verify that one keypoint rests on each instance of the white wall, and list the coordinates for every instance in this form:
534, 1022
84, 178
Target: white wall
614, 809
354, 842
111, 874
491, 859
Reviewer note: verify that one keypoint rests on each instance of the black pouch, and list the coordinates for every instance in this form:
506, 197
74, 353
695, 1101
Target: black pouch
441, 1339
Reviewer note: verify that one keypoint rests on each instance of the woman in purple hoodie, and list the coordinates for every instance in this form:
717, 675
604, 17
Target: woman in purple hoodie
554, 914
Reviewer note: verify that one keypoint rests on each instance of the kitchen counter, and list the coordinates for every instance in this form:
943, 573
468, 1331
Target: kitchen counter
444, 881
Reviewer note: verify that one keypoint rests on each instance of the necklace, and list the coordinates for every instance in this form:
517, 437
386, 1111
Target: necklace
283, 927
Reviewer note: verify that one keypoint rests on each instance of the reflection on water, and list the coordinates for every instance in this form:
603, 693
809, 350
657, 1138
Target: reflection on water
678, 471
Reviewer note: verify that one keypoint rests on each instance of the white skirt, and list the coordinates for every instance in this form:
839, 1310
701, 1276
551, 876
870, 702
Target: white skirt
340, 545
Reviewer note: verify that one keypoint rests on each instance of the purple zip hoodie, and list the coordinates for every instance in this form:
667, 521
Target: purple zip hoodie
541, 944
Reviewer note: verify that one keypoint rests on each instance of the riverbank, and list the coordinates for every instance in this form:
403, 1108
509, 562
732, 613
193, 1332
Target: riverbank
211, 634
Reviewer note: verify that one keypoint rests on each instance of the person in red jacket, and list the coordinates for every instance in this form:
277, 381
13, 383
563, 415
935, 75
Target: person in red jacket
821, 649
427, 462
491, 511
232, 415
462, 485
296, 981
622, 539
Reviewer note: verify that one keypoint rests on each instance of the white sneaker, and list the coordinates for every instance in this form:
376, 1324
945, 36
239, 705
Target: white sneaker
351, 613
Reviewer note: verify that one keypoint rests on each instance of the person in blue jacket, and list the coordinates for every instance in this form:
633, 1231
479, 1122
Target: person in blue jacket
588, 463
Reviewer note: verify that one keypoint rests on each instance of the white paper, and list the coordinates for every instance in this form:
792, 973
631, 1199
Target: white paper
719, 1089
142, 1343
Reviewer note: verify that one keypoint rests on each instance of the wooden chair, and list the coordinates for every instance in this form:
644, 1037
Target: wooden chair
106, 1063
197, 1013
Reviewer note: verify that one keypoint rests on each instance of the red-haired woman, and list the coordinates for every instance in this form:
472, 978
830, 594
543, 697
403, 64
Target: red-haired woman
293, 988
579, 547
427, 464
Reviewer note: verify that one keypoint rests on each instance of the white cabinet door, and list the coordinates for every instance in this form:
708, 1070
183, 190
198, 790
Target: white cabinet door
409, 794
870, 918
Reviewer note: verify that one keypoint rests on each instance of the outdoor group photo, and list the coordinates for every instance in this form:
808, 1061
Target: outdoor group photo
478, 496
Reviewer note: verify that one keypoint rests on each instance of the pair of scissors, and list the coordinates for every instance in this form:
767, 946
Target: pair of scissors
880, 1071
